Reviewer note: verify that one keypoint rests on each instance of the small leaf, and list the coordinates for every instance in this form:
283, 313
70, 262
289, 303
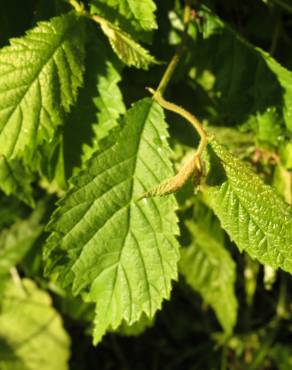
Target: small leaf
32, 336
129, 51
39, 77
14, 180
120, 252
139, 13
208, 266
252, 213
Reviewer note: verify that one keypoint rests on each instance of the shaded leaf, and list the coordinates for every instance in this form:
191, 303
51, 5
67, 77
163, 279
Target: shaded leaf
14, 180
16, 241
31, 333
250, 87
98, 108
210, 270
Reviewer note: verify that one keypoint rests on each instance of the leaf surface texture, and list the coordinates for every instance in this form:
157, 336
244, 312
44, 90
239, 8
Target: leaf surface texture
39, 77
128, 50
252, 213
121, 252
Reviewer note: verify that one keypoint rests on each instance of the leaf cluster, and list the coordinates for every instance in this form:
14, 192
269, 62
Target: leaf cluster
122, 227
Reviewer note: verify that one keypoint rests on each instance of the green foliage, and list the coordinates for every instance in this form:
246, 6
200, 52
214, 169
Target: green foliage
129, 51
28, 325
17, 240
252, 213
250, 87
39, 74
98, 107
14, 180
107, 194
210, 270
121, 251
139, 14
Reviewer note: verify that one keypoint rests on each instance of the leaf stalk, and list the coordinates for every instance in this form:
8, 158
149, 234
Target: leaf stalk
179, 51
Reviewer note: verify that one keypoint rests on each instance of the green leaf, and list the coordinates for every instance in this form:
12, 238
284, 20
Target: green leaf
14, 180
139, 13
210, 270
31, 333
252, 213
17, 240
39, 77
128, 50
109, 100
119, 251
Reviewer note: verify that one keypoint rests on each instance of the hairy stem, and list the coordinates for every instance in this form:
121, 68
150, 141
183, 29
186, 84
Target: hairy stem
79, 7
157, 95
187, 115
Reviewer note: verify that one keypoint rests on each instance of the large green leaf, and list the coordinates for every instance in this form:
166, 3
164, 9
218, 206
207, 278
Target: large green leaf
210, 270
107, 243
252, 213
39, 77
31, 333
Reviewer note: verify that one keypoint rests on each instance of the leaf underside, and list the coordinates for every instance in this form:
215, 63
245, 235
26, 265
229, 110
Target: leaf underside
120, 252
